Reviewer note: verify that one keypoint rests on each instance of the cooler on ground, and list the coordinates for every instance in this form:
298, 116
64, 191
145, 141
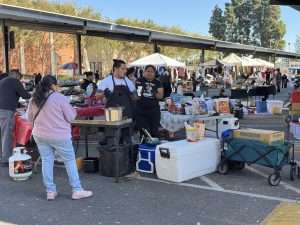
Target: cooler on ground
182, 160
146, 159
261, 106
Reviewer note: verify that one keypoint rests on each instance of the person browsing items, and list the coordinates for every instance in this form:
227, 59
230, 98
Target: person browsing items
11, 89
149, 91
88, 85
51, 115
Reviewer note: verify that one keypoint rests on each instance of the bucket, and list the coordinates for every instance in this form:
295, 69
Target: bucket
79, 163
191, 134
91, 165
108, 161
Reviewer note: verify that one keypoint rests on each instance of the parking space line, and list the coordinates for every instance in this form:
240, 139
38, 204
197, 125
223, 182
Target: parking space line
211, 183
266, 197
287, 186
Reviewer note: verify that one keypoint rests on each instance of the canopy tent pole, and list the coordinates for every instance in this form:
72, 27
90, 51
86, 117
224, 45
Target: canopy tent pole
5, 47
79, 60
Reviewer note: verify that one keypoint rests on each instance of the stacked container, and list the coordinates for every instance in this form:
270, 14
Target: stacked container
295, 108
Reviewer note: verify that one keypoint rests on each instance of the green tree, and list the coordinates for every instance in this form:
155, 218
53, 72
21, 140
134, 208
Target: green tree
297, 45
217, 24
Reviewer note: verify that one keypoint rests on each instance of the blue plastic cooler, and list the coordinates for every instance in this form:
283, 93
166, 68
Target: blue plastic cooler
146, 159
261, 106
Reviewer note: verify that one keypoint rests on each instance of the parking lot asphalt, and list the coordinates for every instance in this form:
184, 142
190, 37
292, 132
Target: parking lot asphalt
242, 197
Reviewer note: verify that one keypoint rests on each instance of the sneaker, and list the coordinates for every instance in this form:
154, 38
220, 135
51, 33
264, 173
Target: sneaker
81, 194
51, 195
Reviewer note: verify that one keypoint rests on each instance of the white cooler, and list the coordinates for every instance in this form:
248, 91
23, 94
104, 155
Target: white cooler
182, 160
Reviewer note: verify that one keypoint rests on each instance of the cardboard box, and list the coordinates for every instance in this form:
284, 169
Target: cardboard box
266, 136
295, 106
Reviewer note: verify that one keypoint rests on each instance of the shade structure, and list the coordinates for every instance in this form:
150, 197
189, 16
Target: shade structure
69, 66
236, 60
294, 68
157, 59
265, 63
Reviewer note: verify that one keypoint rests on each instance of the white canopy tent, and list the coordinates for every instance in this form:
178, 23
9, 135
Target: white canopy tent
265, 63
254, 62
236, 60
157, 59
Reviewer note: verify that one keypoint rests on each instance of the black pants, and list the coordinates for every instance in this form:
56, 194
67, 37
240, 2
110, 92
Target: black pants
148, 119
278, 87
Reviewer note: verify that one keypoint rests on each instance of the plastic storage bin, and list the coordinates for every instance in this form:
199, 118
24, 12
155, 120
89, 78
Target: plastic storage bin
182, 160
261, 106
146, 159
274, 106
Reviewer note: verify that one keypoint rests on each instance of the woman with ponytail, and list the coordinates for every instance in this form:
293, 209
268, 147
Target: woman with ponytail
51, 114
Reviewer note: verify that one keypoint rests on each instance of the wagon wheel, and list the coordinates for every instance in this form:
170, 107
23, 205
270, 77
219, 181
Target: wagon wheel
293, 172
223, 168
274, 178
239, 165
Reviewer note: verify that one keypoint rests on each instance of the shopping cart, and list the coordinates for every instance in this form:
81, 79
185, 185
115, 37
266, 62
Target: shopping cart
238, 152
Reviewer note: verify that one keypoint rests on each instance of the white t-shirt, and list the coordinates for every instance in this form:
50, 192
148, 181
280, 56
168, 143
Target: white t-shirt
107, 82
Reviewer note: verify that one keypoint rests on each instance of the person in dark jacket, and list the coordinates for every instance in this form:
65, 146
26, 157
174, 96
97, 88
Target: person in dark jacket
166, 81
3, 75
37, 79
284, 81
11, 89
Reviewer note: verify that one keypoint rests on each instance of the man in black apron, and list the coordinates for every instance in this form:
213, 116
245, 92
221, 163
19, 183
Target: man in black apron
118, 90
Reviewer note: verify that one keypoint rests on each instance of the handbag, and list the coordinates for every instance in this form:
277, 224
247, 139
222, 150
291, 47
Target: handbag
31, 139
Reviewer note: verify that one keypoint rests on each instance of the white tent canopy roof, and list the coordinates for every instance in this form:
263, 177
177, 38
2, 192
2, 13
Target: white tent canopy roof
157, 59
236, 60
265, 63
254, 62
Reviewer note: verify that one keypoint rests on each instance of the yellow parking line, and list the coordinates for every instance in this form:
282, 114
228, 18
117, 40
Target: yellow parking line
284, 214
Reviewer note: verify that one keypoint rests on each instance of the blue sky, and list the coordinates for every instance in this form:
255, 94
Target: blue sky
191, 15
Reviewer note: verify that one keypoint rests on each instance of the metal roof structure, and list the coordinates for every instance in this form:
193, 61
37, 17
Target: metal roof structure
48, 21
292, 3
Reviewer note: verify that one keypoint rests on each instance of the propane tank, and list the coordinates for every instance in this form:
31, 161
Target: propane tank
20, 164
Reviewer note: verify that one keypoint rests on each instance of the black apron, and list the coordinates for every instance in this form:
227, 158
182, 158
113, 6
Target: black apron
121, 97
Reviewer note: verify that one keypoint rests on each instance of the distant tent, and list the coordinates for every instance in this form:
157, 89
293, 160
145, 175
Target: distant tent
215, 63
236, 60
254, 62
157, 59
266, 63
294, 68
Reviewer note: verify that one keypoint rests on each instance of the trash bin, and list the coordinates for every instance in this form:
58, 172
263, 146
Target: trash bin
108, 160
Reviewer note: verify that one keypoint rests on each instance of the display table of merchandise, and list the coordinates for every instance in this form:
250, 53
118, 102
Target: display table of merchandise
174, 123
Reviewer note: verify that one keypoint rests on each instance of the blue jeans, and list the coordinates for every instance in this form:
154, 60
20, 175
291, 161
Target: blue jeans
65, 150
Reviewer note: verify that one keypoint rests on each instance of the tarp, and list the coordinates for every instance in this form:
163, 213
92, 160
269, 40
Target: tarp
236, 60
157, 59
294, 68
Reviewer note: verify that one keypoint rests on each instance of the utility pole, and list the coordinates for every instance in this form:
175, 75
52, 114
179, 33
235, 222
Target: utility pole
289, 51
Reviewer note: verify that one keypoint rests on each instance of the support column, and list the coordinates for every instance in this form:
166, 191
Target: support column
79, 61
202, 56
156, 48
5, 47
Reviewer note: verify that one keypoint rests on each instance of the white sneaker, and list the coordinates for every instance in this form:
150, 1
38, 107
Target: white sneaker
81, 194
51, 195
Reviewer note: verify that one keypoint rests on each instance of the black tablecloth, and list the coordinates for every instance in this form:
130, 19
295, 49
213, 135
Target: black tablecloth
255, 91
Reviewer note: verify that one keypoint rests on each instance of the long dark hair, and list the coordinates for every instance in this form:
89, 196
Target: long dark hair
42, 89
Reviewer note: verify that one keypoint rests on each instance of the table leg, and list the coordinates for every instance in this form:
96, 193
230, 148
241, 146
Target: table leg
217, 127
86, 146
117, 154
131, 149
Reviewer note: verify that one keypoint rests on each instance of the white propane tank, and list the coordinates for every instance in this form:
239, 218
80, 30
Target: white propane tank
20, 164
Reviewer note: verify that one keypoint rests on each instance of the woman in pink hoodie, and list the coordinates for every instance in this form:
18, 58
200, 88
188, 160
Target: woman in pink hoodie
51, 114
